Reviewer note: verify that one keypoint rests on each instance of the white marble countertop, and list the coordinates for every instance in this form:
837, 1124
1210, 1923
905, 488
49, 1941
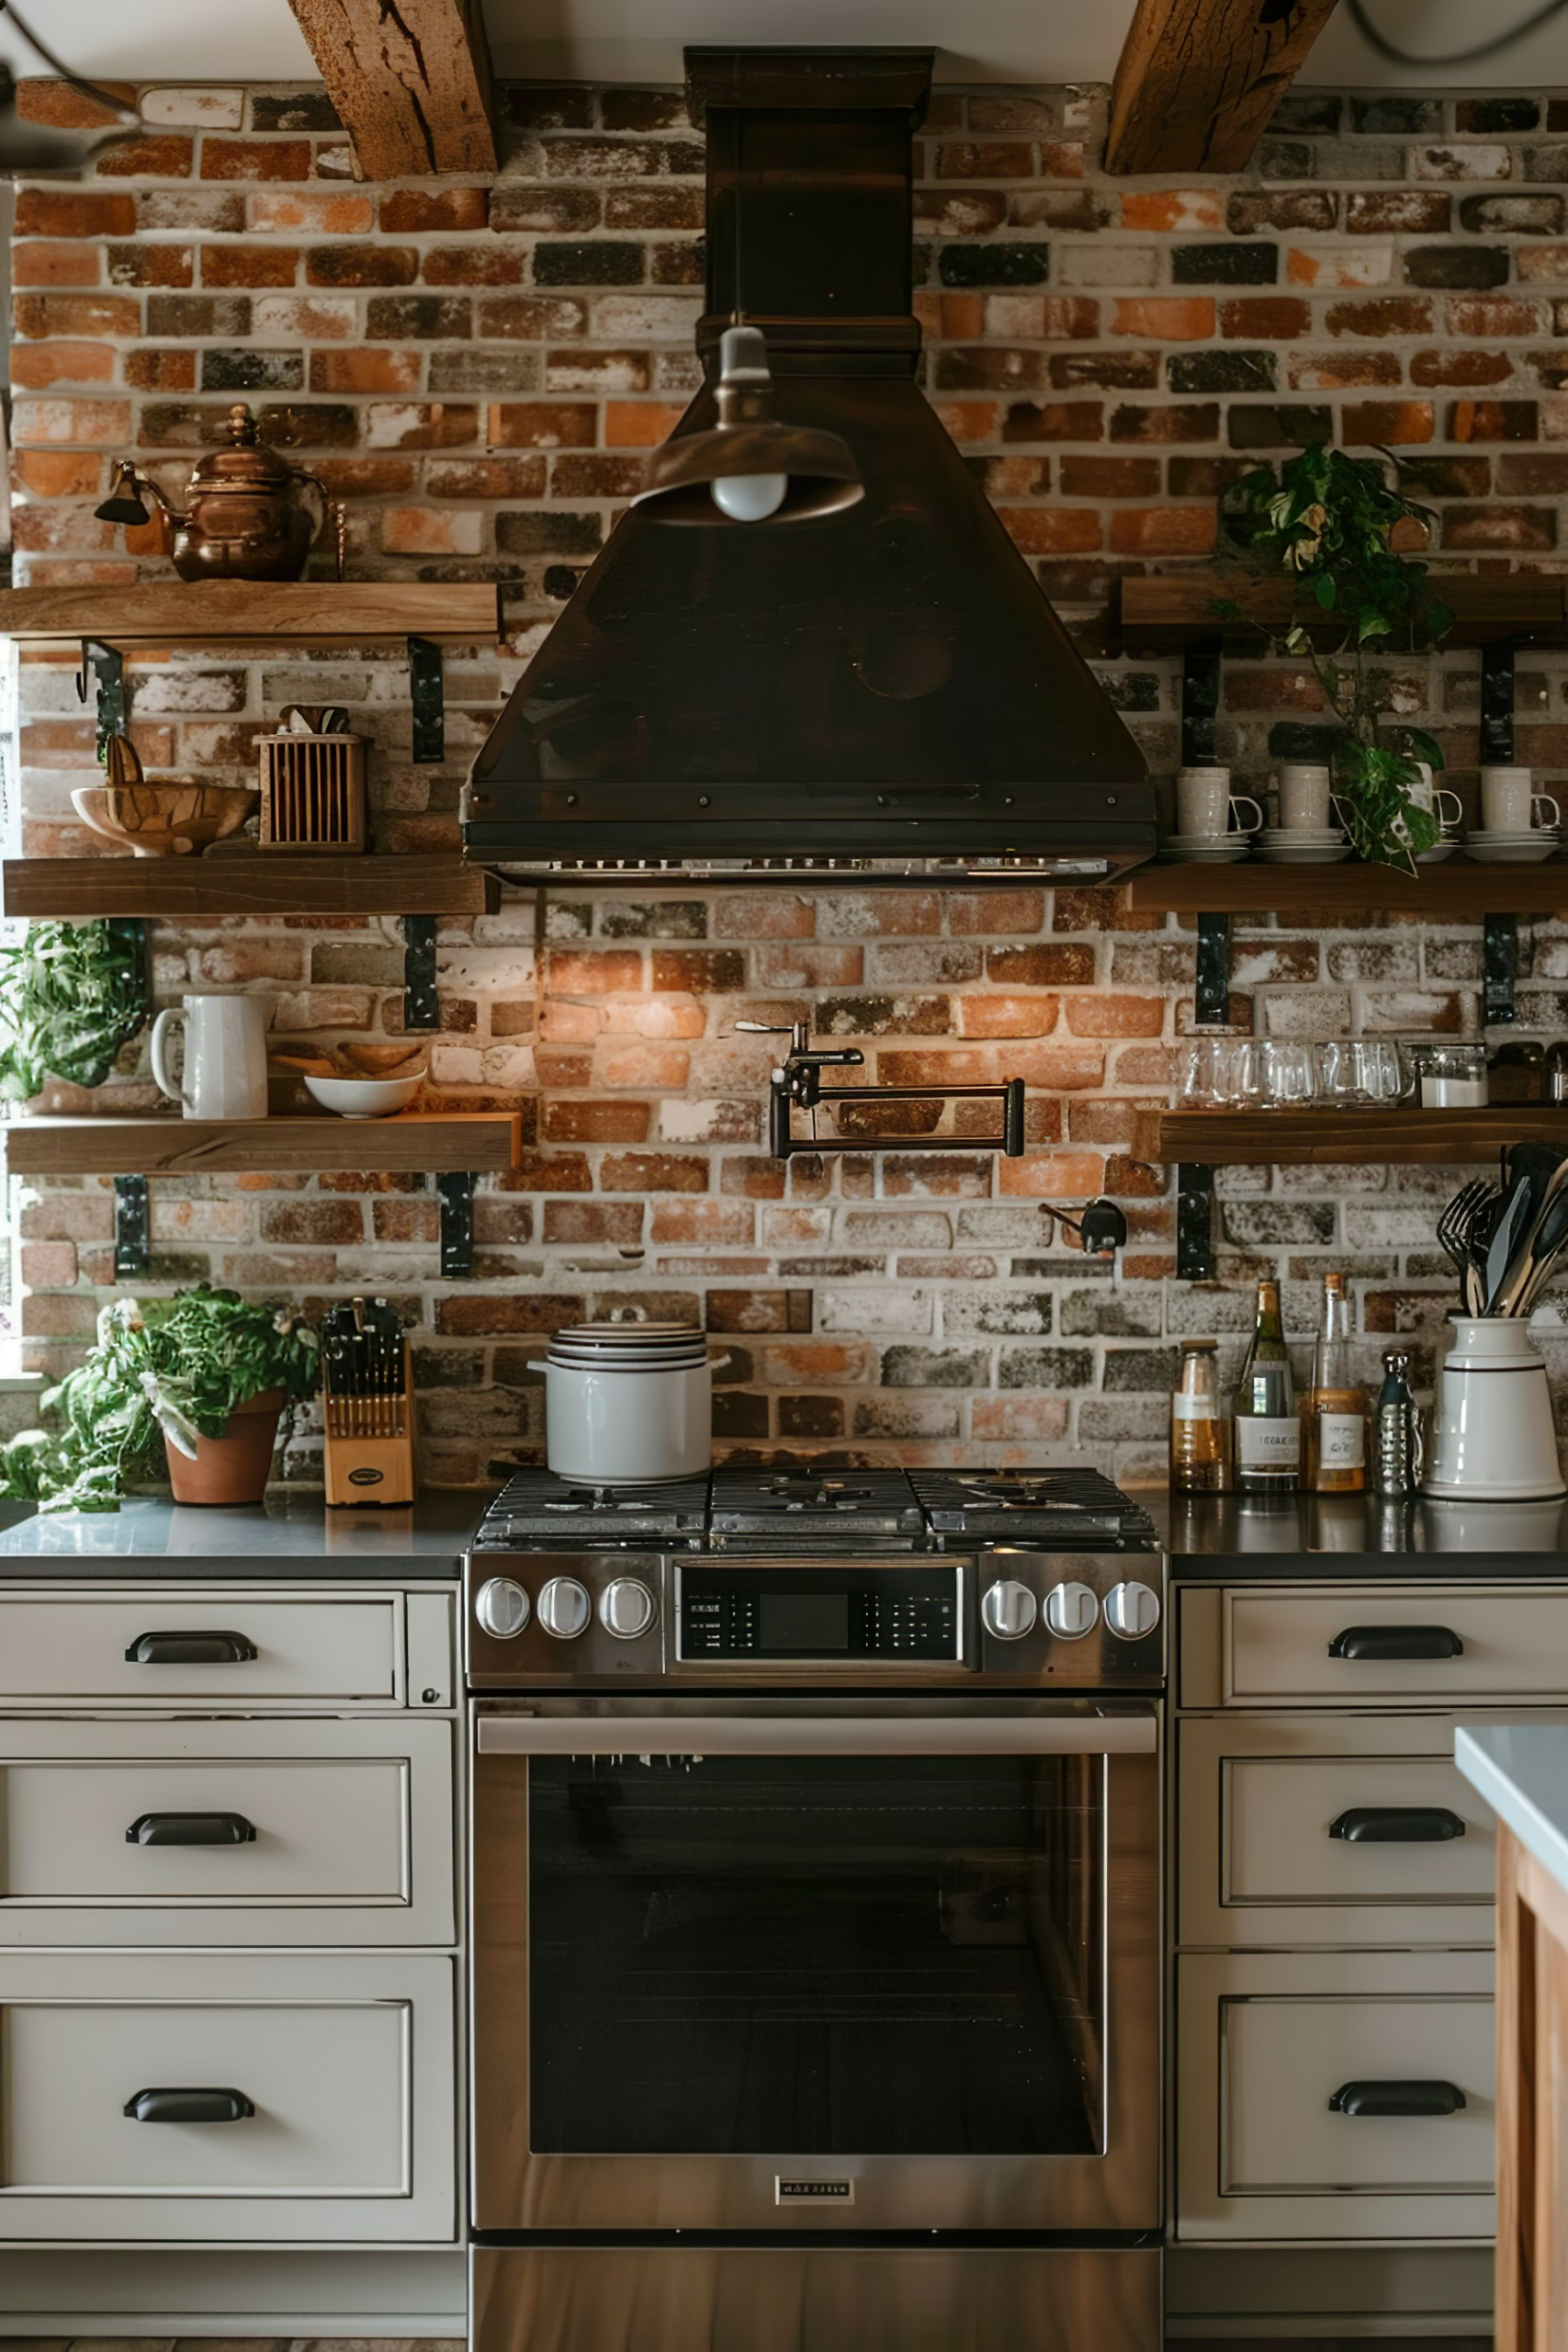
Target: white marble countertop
1522, 1771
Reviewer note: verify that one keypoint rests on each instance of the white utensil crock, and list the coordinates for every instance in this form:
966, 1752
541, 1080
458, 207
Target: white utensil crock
1493, 1439
621, 1429
225, 1061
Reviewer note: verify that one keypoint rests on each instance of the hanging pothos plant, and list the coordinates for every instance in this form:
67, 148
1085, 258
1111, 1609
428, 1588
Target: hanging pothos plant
1329, 520
71, 995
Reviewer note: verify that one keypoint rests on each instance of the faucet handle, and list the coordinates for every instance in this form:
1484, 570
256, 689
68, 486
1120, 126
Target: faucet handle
768, 1028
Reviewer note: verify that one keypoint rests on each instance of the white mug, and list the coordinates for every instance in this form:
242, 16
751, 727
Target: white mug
225, 1056
1305, 799
1204, 803
1507, 804
1426, 794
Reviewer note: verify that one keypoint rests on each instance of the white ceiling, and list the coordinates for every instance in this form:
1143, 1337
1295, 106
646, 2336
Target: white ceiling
640, 40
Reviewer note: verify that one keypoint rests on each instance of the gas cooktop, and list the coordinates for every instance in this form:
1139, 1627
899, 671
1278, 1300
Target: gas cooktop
764, 1512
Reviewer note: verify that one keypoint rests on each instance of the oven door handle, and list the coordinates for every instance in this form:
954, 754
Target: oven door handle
1130, 1734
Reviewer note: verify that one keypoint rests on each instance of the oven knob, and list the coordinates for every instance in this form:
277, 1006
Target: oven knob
1071, 1611
503, 1607
1009, 1611
1131, 1611
626, 1608
564, 1608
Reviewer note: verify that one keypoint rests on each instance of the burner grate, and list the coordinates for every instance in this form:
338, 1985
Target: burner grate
1057, 1505
853, 1504
536, 1502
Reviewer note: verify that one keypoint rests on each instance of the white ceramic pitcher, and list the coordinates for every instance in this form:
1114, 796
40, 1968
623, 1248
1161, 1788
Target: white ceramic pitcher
225, 1056
1493, 1439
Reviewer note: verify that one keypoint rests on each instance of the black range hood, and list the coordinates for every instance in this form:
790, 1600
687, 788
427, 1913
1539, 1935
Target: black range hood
874, 694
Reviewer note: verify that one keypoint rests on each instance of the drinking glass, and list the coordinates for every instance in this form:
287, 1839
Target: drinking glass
1251, 1087
1377, 1073
1291, 1078
1205, 1074
1338, 1079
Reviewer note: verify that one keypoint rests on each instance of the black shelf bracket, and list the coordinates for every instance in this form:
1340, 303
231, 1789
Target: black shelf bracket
1500, 966
130, 934
1212, 994
131, 1248
428, 701
1497, 703
422, 1008
1194, 1222
1199, 703
105, 666
455, 1187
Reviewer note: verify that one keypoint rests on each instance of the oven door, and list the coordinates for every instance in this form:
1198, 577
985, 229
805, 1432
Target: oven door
816, 1964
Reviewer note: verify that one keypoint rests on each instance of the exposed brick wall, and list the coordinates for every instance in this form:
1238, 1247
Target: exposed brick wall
476, 369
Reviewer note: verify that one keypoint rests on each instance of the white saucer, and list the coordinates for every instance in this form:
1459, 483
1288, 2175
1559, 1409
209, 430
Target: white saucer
1207, 849
1435, 855
1316, 853
1520, 853
1508, 837
1303, 833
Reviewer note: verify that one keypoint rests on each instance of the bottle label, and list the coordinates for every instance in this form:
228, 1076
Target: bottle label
1193, 1408
1341, 1440
1267, 1445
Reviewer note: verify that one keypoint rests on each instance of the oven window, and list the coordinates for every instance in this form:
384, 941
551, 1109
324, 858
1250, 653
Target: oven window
886, 1956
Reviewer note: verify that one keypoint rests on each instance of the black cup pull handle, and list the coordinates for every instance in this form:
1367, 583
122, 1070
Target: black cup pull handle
1397, 1824
1397, 2098
190, 1649
1384, 1642
191, 1829
188, 2106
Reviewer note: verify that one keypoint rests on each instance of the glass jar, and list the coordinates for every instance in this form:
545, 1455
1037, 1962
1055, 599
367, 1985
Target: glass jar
1200, 1429
1448, 1076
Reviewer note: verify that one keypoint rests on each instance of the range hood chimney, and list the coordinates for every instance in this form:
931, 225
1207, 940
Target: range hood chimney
873, 692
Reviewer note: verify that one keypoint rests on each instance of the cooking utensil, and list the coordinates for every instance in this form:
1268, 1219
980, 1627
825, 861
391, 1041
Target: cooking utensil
1502, 1267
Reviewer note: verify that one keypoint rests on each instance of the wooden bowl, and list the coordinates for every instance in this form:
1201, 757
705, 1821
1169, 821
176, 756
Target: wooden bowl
167, 819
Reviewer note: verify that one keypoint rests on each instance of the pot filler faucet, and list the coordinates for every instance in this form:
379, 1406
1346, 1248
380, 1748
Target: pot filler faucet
797, 1081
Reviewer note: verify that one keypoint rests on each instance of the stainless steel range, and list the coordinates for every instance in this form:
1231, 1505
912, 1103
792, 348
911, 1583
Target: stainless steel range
816, 1975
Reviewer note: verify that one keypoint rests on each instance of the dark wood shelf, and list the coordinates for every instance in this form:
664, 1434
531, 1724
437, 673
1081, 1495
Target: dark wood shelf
255, 611
1454, 888
247, 882
1322, 1134
1174, 609
412, 1142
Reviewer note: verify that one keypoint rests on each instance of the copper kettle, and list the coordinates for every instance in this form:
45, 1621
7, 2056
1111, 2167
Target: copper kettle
242, 519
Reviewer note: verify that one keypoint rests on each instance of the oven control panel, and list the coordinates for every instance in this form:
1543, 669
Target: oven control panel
823, 1616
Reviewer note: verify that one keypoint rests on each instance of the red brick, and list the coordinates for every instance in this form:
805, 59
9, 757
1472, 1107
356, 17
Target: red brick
302, 212
1115, 1016
151, 369
51, 262
1342, 372
256, 159
164, 158
62, 473
412, 211
1492, 421
361, 265
1053, 1175
1052, 530
1265, 318
369, 369
76, 314
1165, 318
1488, 314
1386, 422
653, 1171
571, 1121
35, 366
492, 265
1008, 1016
640, 424
249, 264
73, 212
70, 109
1461, 366
1163, 530
486, 478
1111, 477
542, 425
1192, 209
1382, 316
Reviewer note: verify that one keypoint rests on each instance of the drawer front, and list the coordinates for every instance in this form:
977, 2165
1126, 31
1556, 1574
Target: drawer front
1292, 2047
253, 1648
341, 2071
1306, 1830
1278, 1648
227, 1833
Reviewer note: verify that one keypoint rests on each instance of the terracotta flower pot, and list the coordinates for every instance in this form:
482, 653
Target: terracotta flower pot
231, 1469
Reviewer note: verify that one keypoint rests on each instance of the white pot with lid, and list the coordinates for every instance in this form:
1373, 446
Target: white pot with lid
629, 1404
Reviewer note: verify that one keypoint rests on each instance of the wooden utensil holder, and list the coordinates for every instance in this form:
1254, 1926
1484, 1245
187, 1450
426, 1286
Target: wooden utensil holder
371, 1446
312, 790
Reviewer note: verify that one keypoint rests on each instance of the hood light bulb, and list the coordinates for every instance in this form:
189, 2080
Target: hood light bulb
748, 498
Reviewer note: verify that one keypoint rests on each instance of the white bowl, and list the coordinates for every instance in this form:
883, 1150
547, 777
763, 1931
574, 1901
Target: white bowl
365, 1098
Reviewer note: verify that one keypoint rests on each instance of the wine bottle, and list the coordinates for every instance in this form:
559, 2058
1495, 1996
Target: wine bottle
1268, 1427
1200, 1434
1334, 1429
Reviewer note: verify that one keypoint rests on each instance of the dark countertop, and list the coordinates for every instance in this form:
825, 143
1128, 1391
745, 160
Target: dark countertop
1356, 1535
291, 1536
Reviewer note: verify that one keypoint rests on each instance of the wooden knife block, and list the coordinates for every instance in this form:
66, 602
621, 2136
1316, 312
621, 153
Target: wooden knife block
371, 1446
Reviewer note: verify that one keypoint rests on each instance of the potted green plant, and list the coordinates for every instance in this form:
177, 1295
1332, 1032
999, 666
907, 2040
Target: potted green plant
193, 1386
71, 995
1331, 522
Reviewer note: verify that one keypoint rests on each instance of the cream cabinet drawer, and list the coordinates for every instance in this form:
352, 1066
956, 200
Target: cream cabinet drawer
218, 1647
1310, 1829
227, 1833
1346, 1645
1347, 2096
162, 2099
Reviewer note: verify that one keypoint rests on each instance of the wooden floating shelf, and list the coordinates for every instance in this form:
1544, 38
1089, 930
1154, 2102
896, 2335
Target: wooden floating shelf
1323, 1135
257, 882
314, 613
1451, 889
413, 1142
1174, 609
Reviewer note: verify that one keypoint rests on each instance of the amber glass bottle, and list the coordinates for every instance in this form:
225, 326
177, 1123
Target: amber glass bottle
1333, 1427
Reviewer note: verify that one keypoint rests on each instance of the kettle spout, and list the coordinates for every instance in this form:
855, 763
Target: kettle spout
126, 502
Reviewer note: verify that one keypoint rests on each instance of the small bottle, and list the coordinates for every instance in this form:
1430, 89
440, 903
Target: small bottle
1334, 1430
1200, 1434
1554, 1072
1268, 1427
1397, 1450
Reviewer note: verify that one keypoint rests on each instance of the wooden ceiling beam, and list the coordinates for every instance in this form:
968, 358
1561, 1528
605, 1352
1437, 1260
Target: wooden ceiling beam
410, 80
1198, 80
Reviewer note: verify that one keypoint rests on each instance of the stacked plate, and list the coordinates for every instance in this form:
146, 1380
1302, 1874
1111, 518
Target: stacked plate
1513, 848
628, 1347
1208, 849
1302, 844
